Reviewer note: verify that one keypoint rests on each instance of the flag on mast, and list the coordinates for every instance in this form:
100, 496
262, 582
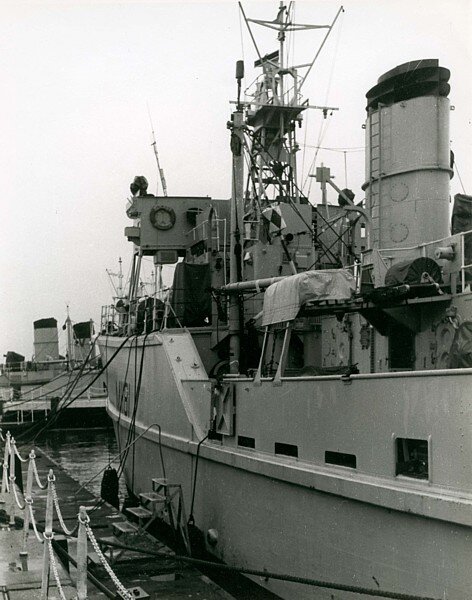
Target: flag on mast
273, 215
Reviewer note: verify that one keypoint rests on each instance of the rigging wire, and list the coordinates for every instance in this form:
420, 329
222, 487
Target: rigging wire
340, 149
304, 146
242, 48
325, 123
336, 48
69, 384
458, 175
345, 169
291, 33
66, 405
320, 139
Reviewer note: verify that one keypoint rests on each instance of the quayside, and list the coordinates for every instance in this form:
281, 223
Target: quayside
305, 382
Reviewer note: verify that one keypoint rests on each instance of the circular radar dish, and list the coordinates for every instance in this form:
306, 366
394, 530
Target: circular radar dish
162, 217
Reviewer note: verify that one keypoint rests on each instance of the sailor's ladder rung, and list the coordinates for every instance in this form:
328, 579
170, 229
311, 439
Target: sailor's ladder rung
159, 481
151, 498
139, 511
124, 527
159, 484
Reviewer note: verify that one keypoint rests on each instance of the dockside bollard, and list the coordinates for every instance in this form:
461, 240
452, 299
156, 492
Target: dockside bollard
82, 555
48, 535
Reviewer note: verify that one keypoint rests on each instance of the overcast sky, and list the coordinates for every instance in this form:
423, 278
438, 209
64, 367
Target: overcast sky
77, 80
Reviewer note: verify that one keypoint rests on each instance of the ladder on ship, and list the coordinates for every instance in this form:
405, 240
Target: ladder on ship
164, 502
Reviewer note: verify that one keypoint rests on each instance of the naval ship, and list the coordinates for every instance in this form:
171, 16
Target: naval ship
35, 392
305, 383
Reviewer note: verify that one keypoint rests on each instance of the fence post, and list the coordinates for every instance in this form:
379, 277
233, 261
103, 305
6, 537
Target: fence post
48, 535
82, 555
12, 478
5, 463
28, 498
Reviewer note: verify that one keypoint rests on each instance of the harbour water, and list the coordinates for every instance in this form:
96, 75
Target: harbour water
83, 453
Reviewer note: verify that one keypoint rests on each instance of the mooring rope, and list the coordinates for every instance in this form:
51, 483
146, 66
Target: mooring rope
270, 575
10, 449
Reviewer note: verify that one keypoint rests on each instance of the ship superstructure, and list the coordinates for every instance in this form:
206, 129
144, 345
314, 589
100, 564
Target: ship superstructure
311, 364
35, 391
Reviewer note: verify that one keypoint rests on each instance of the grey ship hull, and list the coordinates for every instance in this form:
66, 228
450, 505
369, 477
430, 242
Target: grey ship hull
362, 526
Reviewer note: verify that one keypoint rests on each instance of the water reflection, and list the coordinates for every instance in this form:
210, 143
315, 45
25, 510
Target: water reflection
82, 453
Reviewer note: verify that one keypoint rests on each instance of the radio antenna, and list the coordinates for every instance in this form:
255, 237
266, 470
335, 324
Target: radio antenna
160, 171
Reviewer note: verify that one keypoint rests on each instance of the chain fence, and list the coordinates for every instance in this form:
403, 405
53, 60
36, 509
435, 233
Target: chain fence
24, 502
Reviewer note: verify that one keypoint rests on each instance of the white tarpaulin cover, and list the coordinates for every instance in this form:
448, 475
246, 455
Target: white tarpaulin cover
283, 300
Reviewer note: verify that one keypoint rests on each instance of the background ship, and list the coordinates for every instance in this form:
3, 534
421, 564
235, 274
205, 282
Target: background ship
38, 390
306, 383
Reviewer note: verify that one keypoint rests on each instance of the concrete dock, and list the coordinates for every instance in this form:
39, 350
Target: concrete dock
146, 576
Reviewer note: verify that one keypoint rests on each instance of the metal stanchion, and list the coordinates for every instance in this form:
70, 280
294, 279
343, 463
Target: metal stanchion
11, 479
28, 500
5, 463
48, 535
82, 555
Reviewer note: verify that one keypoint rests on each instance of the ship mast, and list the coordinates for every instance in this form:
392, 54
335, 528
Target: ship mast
263, 136
119, 288
274, 113
236, 218
70, 344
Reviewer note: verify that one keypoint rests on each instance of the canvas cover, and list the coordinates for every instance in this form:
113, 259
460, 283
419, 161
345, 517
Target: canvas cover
460, 356
191, 297
461, 214
283, 299
411, 271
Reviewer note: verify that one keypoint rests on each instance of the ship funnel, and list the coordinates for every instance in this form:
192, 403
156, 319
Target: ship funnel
408, 163
46, 344
83, 333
